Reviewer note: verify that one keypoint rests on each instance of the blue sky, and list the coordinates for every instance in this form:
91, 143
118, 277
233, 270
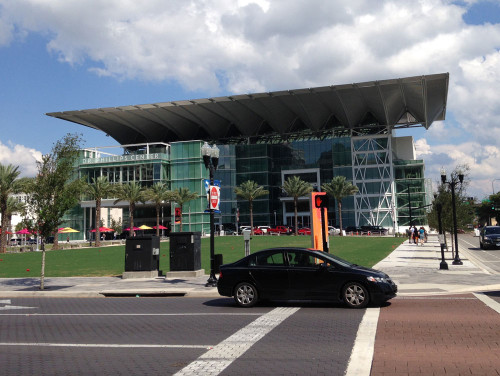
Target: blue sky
58, 55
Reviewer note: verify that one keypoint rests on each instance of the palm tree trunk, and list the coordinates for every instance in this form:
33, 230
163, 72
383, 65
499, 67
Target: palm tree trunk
251, 218
131, 208
56, 240
3, 235
339, 207
296, 215
97, 222
157, 220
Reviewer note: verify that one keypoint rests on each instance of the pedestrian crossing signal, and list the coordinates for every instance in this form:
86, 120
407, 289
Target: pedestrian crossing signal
321, 201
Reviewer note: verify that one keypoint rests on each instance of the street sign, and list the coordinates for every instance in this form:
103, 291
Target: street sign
214, 197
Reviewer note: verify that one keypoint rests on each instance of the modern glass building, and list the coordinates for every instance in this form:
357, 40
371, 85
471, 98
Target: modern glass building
315, 133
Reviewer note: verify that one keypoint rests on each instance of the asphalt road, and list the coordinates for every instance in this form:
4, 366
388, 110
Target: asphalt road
153, 336
487, 259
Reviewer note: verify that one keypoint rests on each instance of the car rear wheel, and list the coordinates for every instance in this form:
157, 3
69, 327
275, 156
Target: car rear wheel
245, 295
355, 295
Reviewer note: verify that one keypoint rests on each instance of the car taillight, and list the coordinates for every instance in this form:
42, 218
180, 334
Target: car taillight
220, 274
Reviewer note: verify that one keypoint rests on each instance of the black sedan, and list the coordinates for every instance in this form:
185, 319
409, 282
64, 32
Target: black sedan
302, 274
489, 237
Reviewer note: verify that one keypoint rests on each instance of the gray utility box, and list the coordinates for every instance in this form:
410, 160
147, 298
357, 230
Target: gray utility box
185, 251
142, 253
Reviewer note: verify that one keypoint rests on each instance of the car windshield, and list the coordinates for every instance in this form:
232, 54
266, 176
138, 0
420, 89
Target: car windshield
492, 230
338, 260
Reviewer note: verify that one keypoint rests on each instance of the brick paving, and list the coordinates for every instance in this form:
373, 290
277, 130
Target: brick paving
445, 335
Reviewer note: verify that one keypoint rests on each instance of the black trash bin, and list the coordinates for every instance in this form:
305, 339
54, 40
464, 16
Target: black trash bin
185, 251
218, 262
142, 253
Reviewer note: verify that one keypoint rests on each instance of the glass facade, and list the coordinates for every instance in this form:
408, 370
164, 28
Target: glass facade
388, 187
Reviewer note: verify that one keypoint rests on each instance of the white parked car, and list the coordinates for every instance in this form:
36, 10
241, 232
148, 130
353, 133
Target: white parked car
265, 229
333, 231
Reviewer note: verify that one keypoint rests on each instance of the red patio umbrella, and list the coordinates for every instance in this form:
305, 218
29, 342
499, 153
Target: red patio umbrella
161, 227
24, 231
7, 232
135, 229
104, 229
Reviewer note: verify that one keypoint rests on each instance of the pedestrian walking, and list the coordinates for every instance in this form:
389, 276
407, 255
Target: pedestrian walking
415, 235
421, 235
409, 232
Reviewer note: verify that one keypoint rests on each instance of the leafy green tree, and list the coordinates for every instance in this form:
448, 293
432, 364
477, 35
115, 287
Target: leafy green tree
183, 195
250, 190
489, 209
133, 193
97, 190
339, 188
159, 194
54, 190
116, 225
8, 186
295, 187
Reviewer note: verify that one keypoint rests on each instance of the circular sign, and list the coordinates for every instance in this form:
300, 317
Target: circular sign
214, 197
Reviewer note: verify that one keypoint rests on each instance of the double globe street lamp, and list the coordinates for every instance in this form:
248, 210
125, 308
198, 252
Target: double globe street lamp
211, 159
453, 183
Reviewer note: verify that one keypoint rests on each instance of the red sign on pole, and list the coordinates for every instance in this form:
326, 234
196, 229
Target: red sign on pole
214, 197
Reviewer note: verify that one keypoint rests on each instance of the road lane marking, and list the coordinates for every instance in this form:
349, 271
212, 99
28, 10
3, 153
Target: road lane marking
360, 362
107, 345
7, 305
221, 356
130, 314
492, 303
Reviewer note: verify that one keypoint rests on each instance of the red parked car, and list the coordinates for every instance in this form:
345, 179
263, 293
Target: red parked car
258, 231
280, 230
304, 231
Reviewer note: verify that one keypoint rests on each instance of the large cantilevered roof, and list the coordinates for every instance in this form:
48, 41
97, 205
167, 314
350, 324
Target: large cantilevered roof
365, 106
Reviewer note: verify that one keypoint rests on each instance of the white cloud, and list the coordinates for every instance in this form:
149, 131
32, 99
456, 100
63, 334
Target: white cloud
19, 155
246, 46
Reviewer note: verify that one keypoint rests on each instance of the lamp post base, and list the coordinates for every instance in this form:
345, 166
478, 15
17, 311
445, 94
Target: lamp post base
443, 265
457, 261
211, 282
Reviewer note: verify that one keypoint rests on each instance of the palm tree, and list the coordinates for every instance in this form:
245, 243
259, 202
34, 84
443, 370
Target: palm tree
295, 187
99, 188
8, 186
339, 188
133, 193
14, 206
159, 194
250, 190
183, 195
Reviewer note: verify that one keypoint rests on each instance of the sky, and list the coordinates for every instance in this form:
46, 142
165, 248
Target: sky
62, 55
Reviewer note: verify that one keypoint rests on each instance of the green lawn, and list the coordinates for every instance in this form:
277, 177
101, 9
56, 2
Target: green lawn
109, 261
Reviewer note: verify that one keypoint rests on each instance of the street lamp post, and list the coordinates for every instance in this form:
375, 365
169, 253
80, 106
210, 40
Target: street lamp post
211, 160
443, 264
452, 183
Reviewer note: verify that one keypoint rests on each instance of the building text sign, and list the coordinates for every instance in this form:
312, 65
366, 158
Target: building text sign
122, 158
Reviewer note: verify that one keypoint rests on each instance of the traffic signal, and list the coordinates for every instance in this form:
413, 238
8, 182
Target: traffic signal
178, 215
321, 201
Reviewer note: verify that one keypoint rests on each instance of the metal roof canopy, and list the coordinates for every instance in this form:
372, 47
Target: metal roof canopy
366, 107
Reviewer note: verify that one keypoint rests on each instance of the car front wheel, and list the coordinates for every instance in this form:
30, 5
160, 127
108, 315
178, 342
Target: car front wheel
355, 295
245, 295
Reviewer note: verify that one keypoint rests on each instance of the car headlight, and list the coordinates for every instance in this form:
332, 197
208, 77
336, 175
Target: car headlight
376, 279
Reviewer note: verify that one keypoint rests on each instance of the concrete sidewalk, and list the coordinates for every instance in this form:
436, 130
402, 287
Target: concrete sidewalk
414, 268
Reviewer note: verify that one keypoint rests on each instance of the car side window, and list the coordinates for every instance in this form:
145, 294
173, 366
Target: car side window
301, 259
270, 259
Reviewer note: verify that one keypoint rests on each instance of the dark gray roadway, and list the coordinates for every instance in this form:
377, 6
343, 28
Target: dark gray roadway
72, 336
489, 259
